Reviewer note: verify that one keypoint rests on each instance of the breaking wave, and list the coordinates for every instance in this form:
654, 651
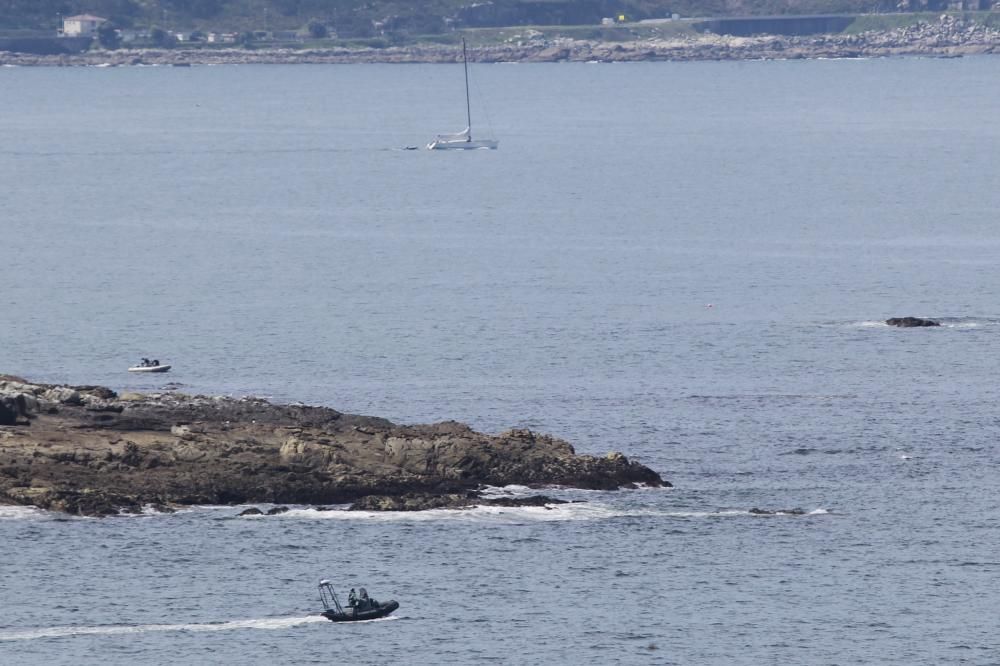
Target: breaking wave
24, 513
501, 515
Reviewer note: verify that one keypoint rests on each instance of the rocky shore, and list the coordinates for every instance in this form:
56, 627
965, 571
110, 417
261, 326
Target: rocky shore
946, 37
88, 450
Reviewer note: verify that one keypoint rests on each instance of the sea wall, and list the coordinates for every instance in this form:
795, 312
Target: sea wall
45, 45
777, 25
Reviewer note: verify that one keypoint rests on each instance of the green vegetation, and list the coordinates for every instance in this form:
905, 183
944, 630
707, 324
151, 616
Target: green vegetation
107, 36
391, 22
366, 18
892, 21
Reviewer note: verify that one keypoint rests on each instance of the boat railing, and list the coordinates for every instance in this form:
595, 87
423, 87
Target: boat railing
328, 596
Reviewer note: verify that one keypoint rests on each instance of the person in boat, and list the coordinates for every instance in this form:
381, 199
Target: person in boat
145, 362
156, 362
352, 599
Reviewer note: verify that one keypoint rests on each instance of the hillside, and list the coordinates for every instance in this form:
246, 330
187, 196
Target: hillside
360, 18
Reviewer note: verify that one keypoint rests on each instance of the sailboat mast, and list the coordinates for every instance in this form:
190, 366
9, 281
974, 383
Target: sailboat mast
468, 107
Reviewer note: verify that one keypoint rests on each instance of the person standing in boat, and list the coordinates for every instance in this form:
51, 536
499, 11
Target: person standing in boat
352, 599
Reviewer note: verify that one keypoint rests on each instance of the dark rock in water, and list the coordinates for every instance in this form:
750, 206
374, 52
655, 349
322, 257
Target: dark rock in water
252, 511
534, 500
911, 322
276, 510
780, 512
413, 502
425, 501
89, 502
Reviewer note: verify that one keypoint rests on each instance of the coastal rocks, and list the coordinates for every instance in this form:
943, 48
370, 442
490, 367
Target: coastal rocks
911, 322
89, 451
425, 501
86, 502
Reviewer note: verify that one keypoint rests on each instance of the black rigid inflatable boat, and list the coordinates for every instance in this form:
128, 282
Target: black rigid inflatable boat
360, 608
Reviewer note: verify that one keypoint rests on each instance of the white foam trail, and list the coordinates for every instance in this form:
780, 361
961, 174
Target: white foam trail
113, 630
871, 324
505, 491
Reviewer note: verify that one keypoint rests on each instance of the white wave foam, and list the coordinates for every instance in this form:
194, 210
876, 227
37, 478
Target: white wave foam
733, 513
477, 514
23, 513
870, 324
111, 630
503, 515
492, 492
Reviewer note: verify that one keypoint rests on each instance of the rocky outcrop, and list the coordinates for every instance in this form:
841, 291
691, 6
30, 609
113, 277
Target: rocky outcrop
424, 501
86, 450
911, 322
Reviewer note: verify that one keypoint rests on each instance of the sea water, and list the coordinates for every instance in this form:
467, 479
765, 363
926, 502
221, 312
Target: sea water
688, 263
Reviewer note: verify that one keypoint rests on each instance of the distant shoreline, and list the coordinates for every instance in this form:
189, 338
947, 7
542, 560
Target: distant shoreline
948, 37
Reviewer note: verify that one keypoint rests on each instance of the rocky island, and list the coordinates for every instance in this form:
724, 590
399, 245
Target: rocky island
87, 450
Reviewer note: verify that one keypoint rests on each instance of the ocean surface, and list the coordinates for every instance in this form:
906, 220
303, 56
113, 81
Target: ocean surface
688, 263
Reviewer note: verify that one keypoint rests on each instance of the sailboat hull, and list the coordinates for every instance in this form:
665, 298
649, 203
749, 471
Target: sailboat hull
477, 144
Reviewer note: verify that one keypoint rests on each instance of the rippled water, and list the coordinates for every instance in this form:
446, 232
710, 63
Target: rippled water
685, 262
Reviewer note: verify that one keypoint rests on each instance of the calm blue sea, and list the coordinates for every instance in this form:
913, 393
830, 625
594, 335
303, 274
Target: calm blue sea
688, 263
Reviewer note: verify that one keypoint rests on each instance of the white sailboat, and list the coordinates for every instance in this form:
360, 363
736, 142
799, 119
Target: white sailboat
463, 140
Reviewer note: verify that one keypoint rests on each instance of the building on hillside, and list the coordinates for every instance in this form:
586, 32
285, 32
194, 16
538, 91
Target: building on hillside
82, 25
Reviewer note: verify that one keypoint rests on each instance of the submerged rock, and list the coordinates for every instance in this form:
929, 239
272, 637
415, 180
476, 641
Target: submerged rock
90, 451
911, 322
424, 501
778, 512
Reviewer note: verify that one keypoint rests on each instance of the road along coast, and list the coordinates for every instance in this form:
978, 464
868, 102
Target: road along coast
87, 450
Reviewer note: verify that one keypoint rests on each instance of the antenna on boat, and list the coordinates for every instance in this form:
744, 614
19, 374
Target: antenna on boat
468, 106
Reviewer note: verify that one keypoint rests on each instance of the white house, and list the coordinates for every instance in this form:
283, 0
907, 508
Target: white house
83, 25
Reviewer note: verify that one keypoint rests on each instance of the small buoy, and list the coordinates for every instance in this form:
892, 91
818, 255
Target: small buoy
709, 306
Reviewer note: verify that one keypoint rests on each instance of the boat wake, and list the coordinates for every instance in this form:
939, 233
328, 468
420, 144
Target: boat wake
114, 630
